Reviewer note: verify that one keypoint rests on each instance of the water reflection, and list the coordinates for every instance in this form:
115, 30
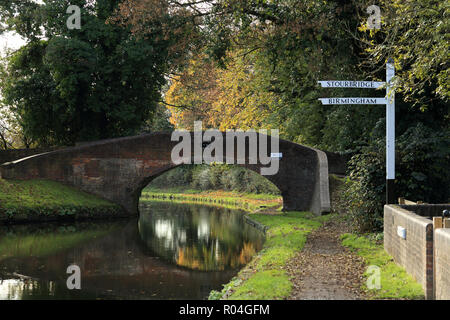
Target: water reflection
18, 289
172, 252
199, 237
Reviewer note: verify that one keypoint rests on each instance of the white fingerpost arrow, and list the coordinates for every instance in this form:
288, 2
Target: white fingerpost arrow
351, 84
389, 101
353, 100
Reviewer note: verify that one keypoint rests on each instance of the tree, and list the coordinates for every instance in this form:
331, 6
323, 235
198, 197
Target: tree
192, 92
269, 56
229, 98
416, 34
79, 85
159, 121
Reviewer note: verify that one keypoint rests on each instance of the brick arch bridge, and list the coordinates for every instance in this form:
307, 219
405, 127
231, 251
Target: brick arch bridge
118, 170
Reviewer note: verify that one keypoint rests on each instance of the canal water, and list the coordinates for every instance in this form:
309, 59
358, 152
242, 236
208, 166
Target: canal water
172, 251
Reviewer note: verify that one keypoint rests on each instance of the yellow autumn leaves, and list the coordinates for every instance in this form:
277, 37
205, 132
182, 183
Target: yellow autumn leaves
221, 98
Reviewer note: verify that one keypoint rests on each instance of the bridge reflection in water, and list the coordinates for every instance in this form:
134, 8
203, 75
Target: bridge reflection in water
173, 251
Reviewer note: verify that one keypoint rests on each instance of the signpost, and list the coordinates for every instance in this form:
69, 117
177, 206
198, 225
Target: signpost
389, 101
351, 84
353, 100
390, 133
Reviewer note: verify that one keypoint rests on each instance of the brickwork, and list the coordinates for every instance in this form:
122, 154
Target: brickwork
442, 264
15, 154
415, 253
118, 169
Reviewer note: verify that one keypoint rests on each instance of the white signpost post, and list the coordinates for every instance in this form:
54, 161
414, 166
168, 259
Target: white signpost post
389, 101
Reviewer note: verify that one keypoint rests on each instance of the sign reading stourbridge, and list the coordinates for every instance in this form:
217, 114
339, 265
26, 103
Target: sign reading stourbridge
389, 101
351, 84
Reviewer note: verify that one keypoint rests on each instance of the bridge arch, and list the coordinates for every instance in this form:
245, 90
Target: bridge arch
118, 170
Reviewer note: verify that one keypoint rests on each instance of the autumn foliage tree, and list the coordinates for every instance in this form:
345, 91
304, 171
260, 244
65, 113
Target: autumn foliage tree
229, 98
68, 85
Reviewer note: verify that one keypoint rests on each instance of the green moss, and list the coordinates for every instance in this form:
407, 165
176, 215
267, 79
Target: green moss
396, 283
265, 276
41, 198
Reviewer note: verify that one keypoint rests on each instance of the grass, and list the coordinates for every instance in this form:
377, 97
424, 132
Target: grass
395, 282
231, 199
38, 193
34, 198
267, 284
265, 277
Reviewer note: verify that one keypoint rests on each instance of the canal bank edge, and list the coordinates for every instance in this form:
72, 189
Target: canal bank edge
255, 224
227, 199
265, 277
35, 201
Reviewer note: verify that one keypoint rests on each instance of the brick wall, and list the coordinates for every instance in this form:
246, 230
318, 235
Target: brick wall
15, 154
415, 253
442, 263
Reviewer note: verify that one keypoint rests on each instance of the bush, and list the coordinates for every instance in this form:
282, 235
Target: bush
244, 180
179, 176
217, 177
363, 193
216, 171
424, 164
200, 178
422, 173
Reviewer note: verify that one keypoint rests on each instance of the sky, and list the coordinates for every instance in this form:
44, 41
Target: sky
11, 41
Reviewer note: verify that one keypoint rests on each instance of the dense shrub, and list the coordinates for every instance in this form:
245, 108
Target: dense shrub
180, 176
216, 177
424, 164
363, 194
422, 173
201, 178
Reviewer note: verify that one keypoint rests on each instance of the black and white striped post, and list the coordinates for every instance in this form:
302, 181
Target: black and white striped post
389, 101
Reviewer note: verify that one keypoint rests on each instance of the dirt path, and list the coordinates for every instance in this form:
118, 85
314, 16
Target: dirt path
324, 269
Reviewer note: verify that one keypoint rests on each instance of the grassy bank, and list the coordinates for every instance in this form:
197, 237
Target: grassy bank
265, 276
41, 200
395, 282
232, 199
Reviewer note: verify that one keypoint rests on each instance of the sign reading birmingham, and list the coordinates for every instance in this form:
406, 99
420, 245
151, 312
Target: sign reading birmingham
353, 100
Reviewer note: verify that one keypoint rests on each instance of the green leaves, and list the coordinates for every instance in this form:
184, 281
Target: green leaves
416, 35
80, 85
422, 174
